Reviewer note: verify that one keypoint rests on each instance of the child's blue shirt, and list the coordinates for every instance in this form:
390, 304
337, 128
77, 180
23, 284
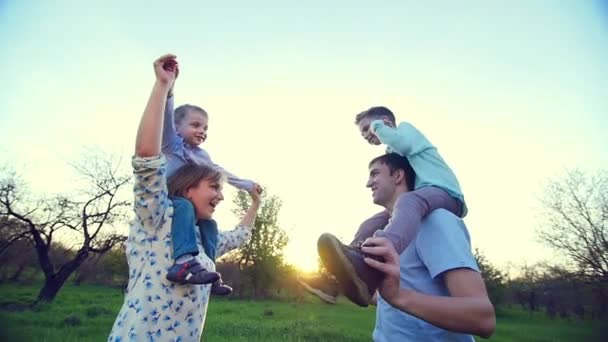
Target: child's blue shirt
430, 168
178, 153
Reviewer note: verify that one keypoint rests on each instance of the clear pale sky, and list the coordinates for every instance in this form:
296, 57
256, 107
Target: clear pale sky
512, 93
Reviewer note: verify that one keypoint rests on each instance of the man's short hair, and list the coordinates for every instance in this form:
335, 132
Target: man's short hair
375, 113
396, 162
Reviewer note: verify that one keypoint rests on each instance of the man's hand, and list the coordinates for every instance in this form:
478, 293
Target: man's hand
379, 246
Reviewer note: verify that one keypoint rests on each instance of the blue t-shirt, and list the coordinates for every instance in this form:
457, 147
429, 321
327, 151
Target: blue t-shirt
442, 244
430, 168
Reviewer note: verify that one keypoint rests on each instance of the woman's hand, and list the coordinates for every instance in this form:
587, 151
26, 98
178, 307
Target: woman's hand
166, 69
252, 212
149, 132
256, 193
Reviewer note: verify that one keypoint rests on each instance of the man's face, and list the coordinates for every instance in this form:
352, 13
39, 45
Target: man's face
382, 183
366, 132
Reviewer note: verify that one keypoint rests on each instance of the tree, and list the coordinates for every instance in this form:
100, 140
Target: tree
262, 258
109, 269
576, 213
85, 217
556, 289
494, 278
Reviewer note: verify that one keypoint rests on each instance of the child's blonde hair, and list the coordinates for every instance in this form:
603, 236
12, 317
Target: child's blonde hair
181, 111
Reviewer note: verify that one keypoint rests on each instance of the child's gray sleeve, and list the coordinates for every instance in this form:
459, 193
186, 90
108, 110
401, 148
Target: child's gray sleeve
242, 184
239, 183
170, 142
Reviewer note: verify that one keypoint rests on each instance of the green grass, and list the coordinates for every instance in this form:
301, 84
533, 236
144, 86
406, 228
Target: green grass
520, 325
86, 313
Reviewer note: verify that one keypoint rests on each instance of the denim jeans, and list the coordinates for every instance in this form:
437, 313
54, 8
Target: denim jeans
183, 233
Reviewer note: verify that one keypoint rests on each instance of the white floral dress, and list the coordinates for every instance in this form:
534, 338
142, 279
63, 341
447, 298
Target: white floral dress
156, 309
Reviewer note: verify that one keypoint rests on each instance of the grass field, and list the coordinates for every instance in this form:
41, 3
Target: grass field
86, 313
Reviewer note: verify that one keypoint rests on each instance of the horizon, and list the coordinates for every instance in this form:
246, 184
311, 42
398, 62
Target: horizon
512, 95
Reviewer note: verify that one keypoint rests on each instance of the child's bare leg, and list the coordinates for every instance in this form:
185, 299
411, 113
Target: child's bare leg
410, 208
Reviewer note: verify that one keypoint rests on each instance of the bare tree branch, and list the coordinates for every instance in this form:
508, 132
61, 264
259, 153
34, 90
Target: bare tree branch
577, 219
85, 215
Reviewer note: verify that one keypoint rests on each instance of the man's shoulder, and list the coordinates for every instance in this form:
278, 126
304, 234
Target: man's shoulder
443, 243
440, 219
441, 226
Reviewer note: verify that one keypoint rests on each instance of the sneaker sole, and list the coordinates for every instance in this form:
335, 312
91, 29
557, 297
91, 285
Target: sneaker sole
322, 295
185, 281
175, 280
340, 266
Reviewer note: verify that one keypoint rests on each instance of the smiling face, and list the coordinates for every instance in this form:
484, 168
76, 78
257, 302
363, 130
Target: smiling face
366, 133
205, 196
382, 183
193, 127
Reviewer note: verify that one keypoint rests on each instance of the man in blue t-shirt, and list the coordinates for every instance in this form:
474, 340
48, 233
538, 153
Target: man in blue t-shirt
433, 291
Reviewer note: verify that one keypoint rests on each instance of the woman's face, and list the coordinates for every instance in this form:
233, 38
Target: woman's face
205, 197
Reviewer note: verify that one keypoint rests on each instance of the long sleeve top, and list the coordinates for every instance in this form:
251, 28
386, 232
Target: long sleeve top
179, 153
430, 168
156, 309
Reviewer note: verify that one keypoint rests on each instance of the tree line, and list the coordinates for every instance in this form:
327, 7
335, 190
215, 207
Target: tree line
575, 225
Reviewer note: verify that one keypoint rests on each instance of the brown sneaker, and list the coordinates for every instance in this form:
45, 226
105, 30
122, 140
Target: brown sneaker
218, 288
357, 280
323, 287
191, 272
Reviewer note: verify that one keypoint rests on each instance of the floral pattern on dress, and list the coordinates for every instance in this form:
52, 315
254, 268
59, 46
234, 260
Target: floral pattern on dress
154, 308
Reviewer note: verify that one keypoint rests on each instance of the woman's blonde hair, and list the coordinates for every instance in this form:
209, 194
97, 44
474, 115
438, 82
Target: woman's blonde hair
189, 176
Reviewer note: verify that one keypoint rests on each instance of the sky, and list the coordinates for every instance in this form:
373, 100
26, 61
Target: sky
512, 93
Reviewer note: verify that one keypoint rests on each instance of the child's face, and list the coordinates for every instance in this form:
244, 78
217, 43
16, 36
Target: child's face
193, 127
366, 132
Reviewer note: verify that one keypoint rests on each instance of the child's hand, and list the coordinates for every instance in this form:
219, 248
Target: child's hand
166, 69
388, 122
257, 187
255, 194
168, 66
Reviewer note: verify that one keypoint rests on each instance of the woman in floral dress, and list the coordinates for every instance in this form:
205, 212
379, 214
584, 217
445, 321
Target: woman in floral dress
154, 308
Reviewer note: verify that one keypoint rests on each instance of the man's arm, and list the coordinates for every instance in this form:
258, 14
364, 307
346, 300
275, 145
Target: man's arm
467, 310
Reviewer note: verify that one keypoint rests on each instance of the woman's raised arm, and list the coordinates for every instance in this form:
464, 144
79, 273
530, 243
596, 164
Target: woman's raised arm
149, 133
